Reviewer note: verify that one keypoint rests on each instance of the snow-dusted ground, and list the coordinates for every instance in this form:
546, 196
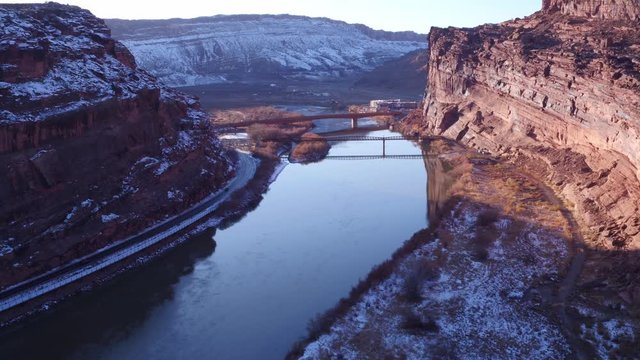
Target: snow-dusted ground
478, 306
207, 50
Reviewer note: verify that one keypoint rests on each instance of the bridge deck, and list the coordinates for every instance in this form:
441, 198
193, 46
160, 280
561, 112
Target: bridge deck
361, 138
368, 157
295, 119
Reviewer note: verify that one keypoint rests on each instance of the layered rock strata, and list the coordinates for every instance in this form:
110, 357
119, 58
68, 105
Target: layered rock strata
92, 149
559, 90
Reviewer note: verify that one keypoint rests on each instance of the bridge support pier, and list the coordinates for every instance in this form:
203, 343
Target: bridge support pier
384, 147
354, 122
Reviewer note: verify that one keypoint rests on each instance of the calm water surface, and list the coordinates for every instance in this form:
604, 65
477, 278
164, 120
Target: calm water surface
249, 291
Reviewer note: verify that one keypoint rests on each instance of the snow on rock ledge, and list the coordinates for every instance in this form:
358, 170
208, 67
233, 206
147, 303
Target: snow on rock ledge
79, 120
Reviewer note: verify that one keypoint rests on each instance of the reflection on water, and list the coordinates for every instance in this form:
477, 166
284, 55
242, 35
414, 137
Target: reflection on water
438, 185
108, 314
319, 229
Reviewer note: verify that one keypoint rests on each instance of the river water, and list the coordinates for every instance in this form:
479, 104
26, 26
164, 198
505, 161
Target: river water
249, 291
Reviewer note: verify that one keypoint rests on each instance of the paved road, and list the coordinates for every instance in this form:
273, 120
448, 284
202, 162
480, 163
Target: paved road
110, 255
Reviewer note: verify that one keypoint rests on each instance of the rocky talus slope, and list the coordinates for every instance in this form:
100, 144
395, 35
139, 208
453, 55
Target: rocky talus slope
559, 91
92, 149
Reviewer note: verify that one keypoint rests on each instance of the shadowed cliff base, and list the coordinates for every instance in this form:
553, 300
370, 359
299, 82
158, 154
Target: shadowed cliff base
556, 95
494, 276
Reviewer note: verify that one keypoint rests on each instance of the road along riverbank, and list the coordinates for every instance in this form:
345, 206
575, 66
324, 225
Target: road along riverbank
26, 296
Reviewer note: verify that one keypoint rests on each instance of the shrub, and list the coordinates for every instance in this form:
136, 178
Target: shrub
514, 230
411, 288
446, 166
249, 114
261, 132
414, 324
484, 238
488, 217
480, 255
313, 148
412, 285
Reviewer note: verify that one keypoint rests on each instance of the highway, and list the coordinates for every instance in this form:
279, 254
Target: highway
78, 269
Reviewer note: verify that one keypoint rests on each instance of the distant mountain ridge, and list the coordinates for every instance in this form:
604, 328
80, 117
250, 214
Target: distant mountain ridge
184, 52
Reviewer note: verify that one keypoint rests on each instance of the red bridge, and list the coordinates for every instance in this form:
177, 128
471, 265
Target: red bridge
295, 119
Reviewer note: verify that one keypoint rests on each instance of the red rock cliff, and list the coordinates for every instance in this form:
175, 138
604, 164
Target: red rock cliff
560, 91
603, 9
92, 149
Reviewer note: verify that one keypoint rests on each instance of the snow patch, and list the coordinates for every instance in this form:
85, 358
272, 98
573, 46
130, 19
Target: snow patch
5, 249
39, 154
109, 218
235, 136
164, 166
176, 195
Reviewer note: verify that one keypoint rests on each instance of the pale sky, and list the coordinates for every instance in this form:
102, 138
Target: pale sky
393, 15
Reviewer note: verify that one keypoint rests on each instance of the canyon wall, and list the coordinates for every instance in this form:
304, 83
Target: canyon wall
92, 148
558, 92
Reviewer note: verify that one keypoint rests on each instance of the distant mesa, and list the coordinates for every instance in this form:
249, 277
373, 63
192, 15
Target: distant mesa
219, 49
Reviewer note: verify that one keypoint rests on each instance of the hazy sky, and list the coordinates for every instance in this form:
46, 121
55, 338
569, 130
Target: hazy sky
416, 15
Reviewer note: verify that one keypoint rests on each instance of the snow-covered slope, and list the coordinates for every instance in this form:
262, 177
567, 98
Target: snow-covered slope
226, 48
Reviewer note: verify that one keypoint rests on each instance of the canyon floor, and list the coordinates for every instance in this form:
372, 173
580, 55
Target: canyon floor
335, 93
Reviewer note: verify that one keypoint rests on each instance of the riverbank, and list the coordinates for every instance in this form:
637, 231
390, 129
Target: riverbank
495, 276
250, 291
239, 199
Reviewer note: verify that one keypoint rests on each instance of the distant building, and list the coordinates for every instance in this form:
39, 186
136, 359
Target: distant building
392, 105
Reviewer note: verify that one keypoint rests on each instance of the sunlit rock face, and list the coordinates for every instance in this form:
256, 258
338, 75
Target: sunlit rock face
602, 9
560, 88
90, 145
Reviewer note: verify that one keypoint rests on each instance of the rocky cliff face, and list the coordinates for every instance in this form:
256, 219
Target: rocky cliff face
603, 9
92, 148
183, 52
559, 91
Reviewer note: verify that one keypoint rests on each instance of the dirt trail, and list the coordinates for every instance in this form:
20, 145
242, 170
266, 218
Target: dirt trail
568, 284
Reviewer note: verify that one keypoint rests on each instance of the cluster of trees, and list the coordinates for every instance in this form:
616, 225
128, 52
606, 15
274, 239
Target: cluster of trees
248, 114
312, 148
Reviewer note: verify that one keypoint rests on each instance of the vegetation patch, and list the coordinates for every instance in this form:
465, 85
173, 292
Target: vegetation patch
311, 148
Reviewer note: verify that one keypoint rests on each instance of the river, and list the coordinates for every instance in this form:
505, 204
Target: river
249, 291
